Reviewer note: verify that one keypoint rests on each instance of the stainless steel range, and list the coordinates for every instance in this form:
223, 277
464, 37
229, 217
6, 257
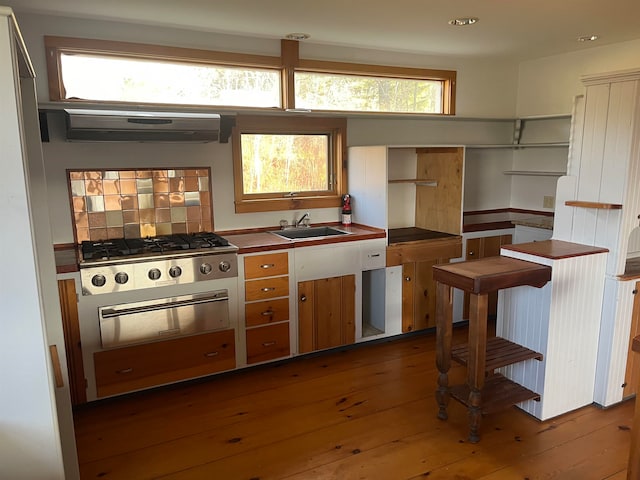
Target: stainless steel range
129, 264
137, 291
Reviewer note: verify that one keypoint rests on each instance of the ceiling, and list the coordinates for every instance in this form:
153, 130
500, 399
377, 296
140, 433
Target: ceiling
507, 29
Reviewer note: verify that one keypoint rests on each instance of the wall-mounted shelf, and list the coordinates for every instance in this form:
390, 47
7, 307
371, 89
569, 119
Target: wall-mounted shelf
597, 205
522, 145
534, 173
417, 181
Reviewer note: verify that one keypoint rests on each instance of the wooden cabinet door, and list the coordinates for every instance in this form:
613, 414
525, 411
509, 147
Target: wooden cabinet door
72, 344
632, 373
326, 313
418, 295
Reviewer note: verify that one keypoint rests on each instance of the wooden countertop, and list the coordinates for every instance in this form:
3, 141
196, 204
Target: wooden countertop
66, 257
555, 249
504, 218
262, 241
491, 274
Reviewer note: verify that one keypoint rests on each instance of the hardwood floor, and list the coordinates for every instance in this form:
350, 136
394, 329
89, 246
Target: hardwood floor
360, 413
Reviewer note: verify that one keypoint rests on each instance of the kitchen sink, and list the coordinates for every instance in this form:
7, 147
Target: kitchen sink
309, 232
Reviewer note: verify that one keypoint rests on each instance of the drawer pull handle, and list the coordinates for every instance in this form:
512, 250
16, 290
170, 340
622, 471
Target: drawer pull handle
125, 370
211, 354
374, 255
267, 313
268, 289
267, 265
268, 344
407, 279
303, 298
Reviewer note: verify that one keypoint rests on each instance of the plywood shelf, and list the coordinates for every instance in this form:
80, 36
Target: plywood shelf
417, 181
596, 205
500, 353
498, 393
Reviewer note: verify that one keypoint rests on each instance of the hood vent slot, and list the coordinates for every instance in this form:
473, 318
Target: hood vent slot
141, 126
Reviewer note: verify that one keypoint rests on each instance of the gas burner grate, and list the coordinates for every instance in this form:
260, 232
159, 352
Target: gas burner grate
120, 247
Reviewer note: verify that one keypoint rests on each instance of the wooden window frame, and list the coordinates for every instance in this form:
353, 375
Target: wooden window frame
336, 128
447, 77
56, 46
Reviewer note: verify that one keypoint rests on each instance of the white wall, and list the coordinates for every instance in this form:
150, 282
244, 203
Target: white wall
547, 85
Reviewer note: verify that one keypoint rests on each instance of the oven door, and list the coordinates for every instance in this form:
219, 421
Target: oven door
159, 319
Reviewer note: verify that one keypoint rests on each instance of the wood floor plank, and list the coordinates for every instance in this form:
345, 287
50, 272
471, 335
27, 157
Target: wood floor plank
362, 413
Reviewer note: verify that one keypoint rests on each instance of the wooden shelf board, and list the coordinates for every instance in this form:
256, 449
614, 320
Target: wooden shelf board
597, 205
500, 353
534, 173
417, 181
498, 394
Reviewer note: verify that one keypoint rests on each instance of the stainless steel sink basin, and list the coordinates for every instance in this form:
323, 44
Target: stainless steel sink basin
309, 232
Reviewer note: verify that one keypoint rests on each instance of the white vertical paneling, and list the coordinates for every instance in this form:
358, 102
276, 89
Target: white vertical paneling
595, 127
562, 321
563, 218
615, 157
614, 340
368, 185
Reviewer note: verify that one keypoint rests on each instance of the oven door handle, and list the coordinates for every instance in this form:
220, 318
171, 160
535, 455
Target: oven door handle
114, 312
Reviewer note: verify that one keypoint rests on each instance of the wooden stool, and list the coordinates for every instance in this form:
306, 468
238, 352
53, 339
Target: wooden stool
478, 278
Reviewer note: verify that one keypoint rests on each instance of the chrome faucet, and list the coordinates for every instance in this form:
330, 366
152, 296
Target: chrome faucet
300, 222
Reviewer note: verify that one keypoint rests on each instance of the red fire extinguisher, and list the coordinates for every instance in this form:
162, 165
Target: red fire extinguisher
346, 209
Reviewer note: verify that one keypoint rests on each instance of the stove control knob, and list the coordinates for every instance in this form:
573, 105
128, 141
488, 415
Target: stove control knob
206, 268
122, 278
154, 274
98, 280
224, 266
175, 272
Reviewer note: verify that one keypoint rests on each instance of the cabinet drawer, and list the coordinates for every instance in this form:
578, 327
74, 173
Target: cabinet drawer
270, 311
267, 343
130, 368
266, 288
268, 265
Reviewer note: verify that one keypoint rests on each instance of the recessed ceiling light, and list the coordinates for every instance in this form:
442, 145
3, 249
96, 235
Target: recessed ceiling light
297, 36
588, 38
462, 21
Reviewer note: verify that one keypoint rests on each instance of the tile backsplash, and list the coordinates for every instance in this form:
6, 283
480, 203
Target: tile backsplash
110, 204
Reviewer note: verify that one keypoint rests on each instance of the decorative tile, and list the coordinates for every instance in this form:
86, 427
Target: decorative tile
178, 214
79, 204
98, 234
95, 204
145, 185
93, 187
161, 200
129, 202
114, 219
77, 188
130, 216
192, 199
176, 199
97, 220
145, 201
133, 203
163, 215
112, 202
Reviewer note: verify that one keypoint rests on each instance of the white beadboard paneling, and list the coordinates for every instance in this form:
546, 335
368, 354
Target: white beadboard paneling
562, 321
593, 141
613, 348
563, 218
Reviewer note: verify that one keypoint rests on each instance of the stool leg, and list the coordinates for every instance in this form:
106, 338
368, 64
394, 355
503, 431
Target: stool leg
444, 329
478, 306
